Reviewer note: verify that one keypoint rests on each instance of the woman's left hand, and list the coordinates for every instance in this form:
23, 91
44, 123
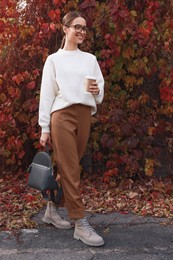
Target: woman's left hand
94, 89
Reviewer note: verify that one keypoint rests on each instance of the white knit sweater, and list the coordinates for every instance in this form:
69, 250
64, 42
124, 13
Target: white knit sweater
63, 80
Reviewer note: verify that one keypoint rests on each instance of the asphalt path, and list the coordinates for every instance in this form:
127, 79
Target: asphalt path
127, 237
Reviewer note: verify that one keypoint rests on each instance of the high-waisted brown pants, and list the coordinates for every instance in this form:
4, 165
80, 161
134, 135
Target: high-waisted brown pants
70, 129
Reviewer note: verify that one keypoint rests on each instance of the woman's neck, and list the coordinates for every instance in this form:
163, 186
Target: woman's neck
70, 47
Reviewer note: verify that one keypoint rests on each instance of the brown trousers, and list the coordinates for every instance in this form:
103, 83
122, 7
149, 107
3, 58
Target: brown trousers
70, 128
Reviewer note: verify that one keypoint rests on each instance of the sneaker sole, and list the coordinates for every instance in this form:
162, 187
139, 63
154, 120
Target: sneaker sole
57, 226
88, 243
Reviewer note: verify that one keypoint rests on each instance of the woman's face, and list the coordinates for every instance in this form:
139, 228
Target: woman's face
76, 32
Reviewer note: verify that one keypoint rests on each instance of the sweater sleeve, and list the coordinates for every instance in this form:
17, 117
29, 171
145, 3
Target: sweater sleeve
100, 81
49, 90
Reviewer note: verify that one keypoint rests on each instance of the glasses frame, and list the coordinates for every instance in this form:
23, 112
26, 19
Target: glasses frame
81, 28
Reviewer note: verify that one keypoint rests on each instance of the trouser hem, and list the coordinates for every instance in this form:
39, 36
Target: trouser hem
76, 214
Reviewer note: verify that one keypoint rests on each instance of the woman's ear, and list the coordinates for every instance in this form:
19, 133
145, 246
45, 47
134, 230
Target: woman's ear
64, 28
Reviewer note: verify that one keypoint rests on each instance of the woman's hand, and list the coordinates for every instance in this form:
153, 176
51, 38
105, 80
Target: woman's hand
94, 89
45, 137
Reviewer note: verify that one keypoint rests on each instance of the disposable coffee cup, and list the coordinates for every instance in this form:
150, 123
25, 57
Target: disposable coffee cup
88, 82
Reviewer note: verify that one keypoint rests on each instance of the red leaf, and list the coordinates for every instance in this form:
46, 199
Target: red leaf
56, 2
88, 3
52, 14
31, 85
53, 27
45, 28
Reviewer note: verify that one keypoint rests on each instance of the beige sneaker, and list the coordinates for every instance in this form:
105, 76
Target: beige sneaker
85, 233
52, 217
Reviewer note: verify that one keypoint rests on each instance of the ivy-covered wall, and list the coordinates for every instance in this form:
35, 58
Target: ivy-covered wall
132, 133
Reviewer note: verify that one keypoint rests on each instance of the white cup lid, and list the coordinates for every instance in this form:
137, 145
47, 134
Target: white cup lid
90, 77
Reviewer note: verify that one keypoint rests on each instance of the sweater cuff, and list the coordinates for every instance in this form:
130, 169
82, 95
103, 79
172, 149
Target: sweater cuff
45, 129
99, 97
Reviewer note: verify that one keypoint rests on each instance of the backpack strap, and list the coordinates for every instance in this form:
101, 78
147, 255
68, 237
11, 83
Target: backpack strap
52, 196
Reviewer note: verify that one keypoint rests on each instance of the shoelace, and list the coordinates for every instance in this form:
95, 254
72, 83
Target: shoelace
58, 217
87, 225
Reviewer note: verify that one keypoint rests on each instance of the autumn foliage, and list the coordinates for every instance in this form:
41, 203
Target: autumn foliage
132, 133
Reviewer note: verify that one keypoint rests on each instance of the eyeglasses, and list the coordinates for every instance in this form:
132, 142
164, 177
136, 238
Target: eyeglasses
79, 28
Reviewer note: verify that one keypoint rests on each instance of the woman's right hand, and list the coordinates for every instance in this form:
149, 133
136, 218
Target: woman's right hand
45, 138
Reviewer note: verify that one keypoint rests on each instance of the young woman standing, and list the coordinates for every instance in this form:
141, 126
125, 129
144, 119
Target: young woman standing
65, 112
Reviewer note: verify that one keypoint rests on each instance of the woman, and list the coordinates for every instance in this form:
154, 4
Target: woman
65, 116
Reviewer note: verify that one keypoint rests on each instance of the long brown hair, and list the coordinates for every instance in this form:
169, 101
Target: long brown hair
67, 20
